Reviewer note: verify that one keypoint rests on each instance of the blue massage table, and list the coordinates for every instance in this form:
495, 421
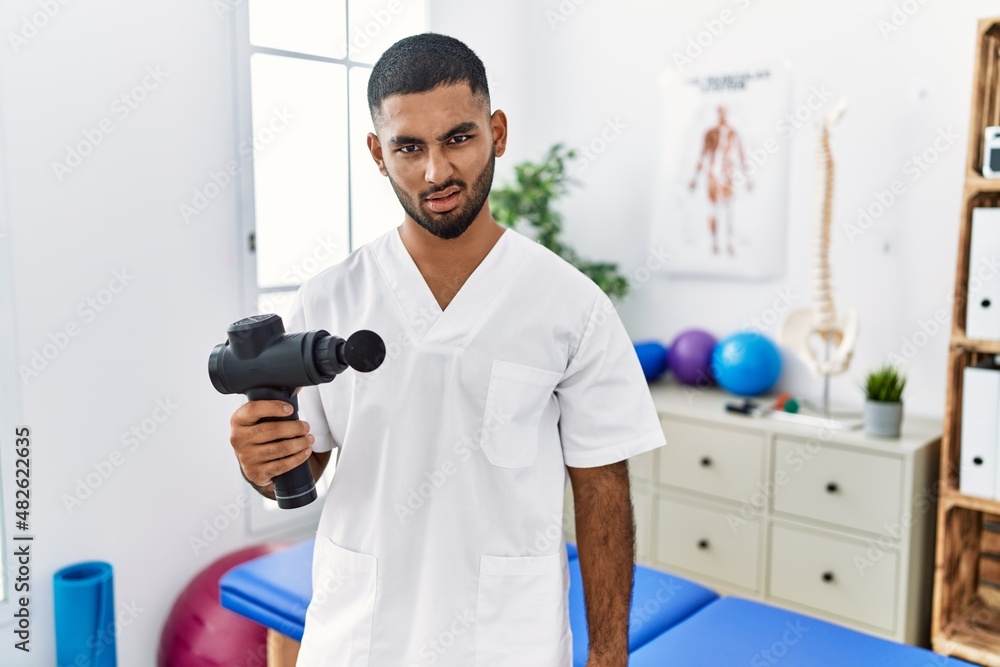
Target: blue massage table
274, 590
734, 631
674, 622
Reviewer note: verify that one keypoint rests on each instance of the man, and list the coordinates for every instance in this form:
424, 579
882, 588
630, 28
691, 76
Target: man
441, 540
721, 147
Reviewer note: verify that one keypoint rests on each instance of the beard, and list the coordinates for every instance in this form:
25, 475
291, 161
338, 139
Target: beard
452, 224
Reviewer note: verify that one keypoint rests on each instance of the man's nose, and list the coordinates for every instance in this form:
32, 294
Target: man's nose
439, 169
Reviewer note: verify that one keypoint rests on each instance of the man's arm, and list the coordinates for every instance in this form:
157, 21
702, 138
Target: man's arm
605, 533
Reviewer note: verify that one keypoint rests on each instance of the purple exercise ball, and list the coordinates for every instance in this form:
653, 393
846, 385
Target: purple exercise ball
691, 356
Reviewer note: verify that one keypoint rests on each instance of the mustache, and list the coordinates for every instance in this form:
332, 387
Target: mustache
453, 182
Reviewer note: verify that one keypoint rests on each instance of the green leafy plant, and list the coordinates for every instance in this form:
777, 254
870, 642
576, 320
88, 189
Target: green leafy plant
884, 384
530, 199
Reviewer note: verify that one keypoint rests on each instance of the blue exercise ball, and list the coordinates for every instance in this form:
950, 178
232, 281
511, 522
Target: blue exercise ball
653, 359
746, 363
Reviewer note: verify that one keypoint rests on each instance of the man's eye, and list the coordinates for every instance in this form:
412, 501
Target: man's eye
460, 139
408, 149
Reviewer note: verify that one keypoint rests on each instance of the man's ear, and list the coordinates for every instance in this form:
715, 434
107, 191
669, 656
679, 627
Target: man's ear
498, 125
375, 148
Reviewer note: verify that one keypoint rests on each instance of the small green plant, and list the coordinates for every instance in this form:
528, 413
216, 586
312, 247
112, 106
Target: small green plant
536, 186
884, 384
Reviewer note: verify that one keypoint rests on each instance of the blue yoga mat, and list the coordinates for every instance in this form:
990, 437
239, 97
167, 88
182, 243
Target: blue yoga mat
85, 615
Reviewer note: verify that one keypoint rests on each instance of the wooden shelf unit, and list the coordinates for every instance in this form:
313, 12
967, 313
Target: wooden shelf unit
965, 618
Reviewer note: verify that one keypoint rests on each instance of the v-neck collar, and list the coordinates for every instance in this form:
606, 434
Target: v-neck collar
462, 317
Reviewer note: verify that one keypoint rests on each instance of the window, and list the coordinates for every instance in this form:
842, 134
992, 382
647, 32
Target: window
309, 191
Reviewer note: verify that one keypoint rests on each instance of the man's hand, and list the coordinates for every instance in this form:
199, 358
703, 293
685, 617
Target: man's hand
267, 449
605, 532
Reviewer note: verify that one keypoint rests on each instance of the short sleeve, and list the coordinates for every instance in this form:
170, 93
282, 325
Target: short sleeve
606, 410
310, 404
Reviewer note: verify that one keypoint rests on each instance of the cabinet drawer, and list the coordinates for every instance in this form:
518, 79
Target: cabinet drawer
704, 541
841, 486
842, 577
717, 461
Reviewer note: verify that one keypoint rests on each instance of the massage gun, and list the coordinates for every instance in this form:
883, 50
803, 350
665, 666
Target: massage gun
260, 360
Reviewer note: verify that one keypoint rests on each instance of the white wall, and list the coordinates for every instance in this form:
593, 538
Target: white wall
118, 211
600, 63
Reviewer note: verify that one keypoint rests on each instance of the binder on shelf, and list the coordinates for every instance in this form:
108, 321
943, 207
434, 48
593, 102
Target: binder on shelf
982, 314
980, 414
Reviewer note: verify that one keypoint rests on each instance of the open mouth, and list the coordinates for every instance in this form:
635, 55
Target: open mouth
440, 204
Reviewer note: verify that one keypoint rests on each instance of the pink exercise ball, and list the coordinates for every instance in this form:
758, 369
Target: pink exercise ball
199, 632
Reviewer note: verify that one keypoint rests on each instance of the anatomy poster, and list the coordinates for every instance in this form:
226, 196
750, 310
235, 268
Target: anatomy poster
720, 203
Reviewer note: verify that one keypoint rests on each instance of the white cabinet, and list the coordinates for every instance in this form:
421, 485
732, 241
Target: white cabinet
829, 523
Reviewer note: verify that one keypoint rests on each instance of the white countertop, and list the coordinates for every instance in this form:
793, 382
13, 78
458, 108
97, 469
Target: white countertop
675, 400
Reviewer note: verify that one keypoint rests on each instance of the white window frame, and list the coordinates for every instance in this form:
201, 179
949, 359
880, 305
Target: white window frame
260, 519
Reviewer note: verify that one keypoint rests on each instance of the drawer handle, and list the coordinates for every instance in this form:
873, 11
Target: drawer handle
978, 460
828, 577
702, 544
832, 487
706, 461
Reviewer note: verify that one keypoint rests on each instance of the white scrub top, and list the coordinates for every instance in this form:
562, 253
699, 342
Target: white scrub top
441, 537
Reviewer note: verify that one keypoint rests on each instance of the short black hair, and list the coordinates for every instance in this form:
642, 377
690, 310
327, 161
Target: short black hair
423, 62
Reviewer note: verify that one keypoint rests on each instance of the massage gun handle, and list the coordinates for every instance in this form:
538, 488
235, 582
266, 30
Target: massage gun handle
296, 487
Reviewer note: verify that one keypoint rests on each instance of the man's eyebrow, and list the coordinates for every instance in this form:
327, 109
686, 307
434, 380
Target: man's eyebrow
461, 128
403, 140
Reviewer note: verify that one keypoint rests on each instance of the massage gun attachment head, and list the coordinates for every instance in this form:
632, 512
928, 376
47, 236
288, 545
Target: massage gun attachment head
364, 351
258, 353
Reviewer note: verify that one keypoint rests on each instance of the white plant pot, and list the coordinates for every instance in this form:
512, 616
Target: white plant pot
883, 420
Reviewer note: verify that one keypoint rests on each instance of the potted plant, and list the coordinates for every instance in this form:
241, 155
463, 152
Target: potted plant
883, 389
529, 199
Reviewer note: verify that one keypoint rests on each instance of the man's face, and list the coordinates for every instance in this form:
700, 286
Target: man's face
438, 149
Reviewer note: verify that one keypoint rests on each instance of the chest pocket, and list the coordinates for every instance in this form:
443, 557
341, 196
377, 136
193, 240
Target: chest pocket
515, 401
